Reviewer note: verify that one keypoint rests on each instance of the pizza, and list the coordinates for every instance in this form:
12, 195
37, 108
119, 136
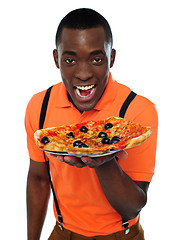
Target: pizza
92, 137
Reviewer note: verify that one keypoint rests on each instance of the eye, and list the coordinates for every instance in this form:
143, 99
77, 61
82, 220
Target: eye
69, 60
97, 60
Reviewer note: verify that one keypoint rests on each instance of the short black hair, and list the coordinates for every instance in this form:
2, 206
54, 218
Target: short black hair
84, 18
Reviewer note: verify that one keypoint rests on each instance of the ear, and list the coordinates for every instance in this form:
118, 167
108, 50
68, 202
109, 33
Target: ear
55, 56
113, 55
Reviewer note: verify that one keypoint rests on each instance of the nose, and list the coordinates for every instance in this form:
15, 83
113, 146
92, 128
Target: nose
83, 72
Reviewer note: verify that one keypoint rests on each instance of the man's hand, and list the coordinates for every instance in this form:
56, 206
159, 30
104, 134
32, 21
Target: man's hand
88, 161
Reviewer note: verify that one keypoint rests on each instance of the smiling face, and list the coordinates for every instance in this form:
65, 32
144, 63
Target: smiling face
84, 58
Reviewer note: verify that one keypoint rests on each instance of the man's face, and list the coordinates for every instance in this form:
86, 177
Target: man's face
84, 59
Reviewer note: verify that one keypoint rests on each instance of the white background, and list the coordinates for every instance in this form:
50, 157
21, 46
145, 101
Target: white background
145, 37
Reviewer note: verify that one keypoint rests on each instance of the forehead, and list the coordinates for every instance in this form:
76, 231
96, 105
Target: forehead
88, 38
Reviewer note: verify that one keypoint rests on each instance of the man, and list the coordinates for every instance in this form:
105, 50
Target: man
95, 195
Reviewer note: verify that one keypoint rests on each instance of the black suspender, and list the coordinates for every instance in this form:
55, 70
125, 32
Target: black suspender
127, 102
123, 110
44, 107
41, 123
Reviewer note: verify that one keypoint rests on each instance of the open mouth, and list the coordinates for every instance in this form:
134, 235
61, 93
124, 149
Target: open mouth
85, 93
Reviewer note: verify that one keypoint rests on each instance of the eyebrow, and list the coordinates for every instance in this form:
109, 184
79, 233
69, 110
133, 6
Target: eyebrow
69, 53
96, 52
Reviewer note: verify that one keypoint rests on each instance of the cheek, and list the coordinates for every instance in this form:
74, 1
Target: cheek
103, 71
103, 77
66, 75
66, 81
65, 71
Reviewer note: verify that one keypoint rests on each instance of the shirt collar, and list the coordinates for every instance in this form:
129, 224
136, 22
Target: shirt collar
63, 100
108, 95
104, 103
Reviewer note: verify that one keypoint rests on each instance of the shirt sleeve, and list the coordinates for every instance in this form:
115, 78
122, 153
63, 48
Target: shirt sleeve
32, 125
140, 163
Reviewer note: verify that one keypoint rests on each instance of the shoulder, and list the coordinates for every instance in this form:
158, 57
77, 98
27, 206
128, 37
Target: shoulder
34, 107
142, 102
122, 90
142, 110
33, 111
37, 99
35, 103
139, 101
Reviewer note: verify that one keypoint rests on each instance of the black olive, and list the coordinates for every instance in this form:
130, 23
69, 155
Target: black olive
108, 125
77, 143
102, 134
84, 129
84, 145
105, 140
80, 144
70, 135
45, 140
115, 139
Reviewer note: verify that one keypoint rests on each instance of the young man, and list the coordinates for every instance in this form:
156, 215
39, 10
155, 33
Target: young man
95, 195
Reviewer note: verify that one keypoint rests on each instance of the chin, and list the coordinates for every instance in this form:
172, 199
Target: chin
86, 108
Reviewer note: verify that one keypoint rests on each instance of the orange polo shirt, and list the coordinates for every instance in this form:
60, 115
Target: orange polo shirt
84, 207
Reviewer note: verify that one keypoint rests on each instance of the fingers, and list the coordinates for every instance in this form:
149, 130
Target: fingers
90, 162
96, 162
70, 160
74, 161
122, 154
60, 158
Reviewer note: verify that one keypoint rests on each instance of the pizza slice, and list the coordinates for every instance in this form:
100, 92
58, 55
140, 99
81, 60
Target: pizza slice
93, 137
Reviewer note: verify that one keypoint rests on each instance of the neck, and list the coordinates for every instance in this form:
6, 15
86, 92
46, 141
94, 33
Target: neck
70, 99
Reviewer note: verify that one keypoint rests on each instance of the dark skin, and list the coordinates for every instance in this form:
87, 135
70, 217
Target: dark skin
126, 196
38, 193
84, 58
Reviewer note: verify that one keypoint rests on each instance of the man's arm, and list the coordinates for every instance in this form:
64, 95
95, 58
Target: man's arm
125, 196
38, 192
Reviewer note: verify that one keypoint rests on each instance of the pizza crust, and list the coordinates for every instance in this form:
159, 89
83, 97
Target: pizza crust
52, 145
37, 138
134, 142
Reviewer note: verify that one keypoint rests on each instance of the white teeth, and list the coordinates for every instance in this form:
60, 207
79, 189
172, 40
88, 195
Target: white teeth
78, 92
85, 88
92, 91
